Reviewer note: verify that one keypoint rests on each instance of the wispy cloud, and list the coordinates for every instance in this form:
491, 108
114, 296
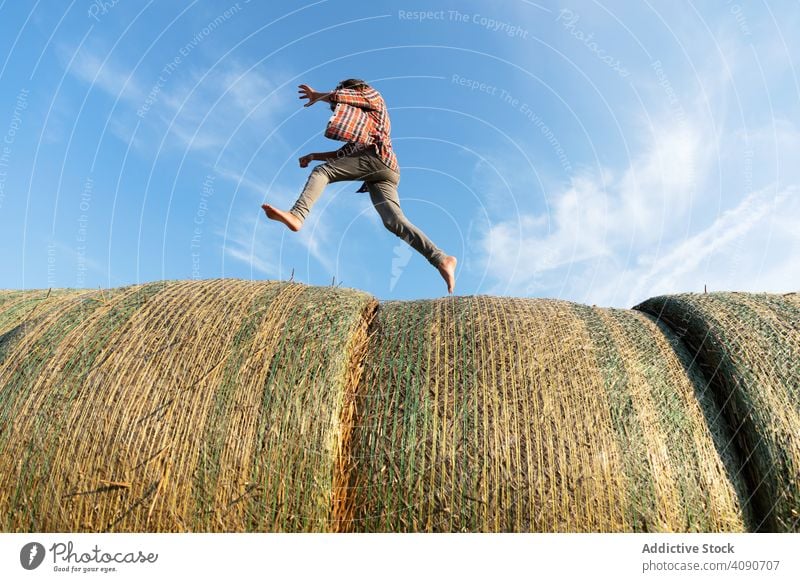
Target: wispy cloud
250, 257
708, 197
199, 109
598, 214
245, 243
247, 181
733, 253
268, 247
605, 246
80, 263
94, 67
204, 108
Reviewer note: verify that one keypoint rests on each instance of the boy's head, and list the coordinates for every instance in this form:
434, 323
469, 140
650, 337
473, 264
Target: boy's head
357, 84
352, 84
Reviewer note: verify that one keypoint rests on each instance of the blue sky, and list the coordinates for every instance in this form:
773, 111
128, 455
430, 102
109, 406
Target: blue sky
596, 152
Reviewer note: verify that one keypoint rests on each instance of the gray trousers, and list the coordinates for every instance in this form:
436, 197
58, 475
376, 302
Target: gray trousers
382, 183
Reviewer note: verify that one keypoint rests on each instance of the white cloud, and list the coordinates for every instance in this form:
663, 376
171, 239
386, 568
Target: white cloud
750, 247
709, 196
199, 108
249, 256
259, 242
653, 230
315, 236
659, 186
101, 72
242, 181
247, 244
599, 214
203, 109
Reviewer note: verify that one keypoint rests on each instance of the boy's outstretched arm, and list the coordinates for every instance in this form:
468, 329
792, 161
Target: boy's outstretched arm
307, 92
346, 96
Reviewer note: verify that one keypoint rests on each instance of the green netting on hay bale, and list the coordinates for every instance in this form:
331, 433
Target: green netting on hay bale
216, 405
19, 308
749, 348
501, 414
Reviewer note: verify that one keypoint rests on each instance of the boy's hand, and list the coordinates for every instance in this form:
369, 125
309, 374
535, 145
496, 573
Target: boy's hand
304, 161
307, 92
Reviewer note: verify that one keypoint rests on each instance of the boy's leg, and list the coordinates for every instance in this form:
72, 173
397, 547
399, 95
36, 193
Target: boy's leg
387, 203
337, 170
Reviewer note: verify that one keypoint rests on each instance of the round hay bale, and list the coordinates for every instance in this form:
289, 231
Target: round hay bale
217, 405
230, 405
500, 414
748, 346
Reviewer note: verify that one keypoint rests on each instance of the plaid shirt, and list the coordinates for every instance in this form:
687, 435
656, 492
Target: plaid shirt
360, 118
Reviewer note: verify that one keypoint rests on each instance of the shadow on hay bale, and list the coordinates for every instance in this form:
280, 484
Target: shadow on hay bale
749, 348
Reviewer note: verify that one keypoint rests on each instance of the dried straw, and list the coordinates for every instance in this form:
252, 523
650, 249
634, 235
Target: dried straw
748, 346
230, 405
217, 404
500, 414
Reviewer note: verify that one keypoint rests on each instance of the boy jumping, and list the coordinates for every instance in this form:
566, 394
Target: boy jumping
360, 119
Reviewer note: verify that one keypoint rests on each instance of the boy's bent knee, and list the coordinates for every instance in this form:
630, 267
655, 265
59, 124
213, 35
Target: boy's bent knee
393, 223
321, 171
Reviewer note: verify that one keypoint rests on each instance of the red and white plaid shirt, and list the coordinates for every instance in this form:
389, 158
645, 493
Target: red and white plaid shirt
360, 118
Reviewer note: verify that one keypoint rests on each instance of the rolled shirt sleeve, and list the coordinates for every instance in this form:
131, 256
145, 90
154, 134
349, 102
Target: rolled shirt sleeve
355, 98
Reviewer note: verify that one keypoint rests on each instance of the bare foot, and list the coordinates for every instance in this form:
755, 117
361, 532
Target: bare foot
447, 269
286, 218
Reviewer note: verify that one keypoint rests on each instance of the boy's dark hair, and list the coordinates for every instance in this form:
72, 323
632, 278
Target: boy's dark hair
351, 84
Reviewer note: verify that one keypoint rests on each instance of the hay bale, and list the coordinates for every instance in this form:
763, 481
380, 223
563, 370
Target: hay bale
749, 348
230, 405
501, 414
181, 406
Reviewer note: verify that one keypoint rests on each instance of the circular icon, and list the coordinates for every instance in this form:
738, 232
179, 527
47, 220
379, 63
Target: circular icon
31, 555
